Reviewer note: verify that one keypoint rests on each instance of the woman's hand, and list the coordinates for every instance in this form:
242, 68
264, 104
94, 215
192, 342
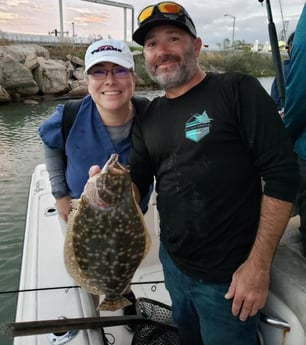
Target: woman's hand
94, 170
63, 206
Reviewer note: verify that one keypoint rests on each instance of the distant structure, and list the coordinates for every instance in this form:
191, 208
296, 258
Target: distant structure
255, 46
122, 5
266, 47
43, 39
55, 32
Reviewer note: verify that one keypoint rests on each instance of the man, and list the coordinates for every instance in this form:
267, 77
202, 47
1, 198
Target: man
295, 114
208, 142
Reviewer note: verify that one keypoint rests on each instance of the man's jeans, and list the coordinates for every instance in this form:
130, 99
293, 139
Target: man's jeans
201, 312
302, 201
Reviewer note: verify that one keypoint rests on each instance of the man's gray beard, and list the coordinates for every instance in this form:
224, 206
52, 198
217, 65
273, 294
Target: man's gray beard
175, 78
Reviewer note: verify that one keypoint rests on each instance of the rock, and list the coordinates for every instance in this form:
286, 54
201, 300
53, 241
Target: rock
77, 92
78, 88
15, 77
69, 68
4, 95
21, 51
51, 76
75, 60
26, 71
78, 73
30, 101
140, 82
31, 62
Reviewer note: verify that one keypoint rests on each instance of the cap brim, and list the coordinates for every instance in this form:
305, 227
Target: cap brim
114, 59
140, 34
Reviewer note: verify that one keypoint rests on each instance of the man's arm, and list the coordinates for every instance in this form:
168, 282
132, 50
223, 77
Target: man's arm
250, 283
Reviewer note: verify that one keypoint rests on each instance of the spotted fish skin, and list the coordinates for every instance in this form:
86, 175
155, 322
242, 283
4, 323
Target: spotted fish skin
106, 236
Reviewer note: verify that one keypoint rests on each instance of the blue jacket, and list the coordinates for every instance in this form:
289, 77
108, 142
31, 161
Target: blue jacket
295, 103
88, 143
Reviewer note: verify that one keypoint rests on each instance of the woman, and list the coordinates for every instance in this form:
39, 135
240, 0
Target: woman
101, 127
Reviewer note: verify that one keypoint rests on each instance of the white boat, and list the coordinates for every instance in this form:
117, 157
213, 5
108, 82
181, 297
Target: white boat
48, 290
50, 293
284, 316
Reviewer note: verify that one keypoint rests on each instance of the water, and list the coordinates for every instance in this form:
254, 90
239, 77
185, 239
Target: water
20, 151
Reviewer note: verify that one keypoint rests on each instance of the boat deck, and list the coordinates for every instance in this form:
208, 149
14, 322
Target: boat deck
52, 293
288, 274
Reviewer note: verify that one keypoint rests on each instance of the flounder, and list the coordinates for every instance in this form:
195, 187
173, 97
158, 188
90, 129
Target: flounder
106, 236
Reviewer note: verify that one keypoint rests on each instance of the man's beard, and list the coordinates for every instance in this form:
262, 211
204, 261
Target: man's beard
184, 71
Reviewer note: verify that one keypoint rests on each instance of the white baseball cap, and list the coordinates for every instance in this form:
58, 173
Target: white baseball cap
109, 50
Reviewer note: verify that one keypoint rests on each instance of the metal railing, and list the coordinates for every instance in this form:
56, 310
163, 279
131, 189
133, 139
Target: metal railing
43, 39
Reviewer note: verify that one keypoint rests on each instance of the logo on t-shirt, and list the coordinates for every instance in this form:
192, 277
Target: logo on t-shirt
197, 127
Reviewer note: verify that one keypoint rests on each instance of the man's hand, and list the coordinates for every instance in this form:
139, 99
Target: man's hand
248, 289
250, 283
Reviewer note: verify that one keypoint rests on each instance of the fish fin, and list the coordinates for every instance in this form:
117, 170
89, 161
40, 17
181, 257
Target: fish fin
75, 203
148, 240
113, 304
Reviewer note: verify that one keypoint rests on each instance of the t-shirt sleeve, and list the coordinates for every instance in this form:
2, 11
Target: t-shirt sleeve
267, 140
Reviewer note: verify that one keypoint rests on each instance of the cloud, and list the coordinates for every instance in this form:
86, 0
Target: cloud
91, 18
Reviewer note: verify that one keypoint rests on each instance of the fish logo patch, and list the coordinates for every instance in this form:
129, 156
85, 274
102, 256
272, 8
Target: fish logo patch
197, 127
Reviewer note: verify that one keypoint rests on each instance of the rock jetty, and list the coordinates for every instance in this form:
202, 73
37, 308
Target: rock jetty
28, 73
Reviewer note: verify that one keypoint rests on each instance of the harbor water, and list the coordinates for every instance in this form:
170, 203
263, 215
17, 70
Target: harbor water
20, 151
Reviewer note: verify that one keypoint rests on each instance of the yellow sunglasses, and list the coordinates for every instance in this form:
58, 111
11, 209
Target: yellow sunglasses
163, 7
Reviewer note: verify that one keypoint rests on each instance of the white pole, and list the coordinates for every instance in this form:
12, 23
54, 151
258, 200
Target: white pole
283, 22
61, 18
124, 23
233, 32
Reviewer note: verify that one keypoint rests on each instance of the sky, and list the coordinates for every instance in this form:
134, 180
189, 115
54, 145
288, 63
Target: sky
95, 19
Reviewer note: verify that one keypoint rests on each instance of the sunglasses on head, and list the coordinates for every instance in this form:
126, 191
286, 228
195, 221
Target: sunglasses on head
166, 7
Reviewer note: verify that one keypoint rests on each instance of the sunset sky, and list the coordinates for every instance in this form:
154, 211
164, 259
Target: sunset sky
93, 19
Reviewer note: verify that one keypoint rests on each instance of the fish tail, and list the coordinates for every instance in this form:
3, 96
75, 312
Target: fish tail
113, 304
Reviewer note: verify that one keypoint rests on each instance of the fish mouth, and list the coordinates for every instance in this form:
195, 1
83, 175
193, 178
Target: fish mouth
107, 189
114, 167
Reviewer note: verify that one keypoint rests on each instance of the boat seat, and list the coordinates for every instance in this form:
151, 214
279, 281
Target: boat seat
288, 273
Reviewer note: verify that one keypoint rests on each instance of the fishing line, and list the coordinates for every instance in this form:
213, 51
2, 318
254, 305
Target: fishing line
148, 282
41, 289
73, 287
